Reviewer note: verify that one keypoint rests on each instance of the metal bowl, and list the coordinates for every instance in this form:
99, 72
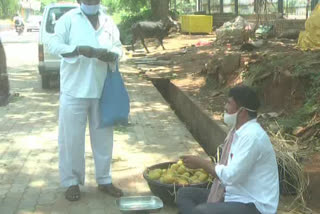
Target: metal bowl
167, 191
139, 204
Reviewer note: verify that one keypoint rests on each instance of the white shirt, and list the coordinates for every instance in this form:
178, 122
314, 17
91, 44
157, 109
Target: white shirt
83, 77
251, 175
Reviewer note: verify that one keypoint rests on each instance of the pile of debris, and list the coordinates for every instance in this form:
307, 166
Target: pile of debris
236, 31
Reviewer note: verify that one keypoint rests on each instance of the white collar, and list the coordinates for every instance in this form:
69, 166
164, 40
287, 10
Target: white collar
245, 125
103, 18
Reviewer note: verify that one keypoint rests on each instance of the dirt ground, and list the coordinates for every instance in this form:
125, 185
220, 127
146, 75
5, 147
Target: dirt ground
184, 58
187, 60
187, 56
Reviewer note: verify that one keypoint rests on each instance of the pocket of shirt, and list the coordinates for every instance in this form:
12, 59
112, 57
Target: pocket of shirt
105, 40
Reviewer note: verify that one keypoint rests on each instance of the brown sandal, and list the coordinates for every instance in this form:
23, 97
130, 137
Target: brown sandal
110, 189
73, 193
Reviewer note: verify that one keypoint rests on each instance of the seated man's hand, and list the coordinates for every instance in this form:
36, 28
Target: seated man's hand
105, 55
193, 162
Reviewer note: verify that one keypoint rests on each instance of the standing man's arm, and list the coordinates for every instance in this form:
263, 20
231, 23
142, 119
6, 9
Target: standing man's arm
58, 42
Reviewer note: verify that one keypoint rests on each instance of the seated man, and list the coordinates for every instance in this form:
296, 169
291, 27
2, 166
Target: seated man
246, 177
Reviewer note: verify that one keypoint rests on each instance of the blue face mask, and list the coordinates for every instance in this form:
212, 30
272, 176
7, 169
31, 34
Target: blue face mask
90, 9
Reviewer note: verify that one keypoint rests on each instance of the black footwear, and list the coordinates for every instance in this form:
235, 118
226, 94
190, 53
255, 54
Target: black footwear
110, 189
73, 193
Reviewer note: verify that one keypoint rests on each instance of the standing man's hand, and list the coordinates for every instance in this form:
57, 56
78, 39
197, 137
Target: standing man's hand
86, 51
105, 55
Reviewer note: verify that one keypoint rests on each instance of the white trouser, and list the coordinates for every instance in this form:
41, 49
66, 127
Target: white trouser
73, 116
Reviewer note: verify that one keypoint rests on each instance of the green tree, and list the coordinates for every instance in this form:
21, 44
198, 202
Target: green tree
8, 8
44, 3
159, 8
131, 6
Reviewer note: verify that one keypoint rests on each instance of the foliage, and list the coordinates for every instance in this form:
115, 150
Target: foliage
186, 7
44, 3
130, 6
8, 8
305, 68
299, 118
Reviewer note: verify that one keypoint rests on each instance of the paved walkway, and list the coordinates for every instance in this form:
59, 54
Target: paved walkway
29, 178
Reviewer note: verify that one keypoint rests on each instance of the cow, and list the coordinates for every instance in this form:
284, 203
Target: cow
148, 29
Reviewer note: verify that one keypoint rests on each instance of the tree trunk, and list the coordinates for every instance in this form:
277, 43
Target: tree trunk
160, 9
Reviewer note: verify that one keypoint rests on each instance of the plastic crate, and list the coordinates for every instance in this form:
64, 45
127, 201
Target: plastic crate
196, 23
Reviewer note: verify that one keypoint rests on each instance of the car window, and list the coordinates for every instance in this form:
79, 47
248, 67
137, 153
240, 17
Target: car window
53, 16
34, 19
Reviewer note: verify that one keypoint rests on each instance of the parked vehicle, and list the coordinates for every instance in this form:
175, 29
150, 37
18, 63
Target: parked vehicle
33, 23
49, 65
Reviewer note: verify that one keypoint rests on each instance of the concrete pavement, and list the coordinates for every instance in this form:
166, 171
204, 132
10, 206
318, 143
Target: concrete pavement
29, 177
11, 36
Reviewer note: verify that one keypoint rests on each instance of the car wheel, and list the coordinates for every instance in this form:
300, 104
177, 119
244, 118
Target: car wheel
45, 81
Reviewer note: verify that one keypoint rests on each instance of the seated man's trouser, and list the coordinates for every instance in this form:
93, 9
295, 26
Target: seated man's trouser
194, 201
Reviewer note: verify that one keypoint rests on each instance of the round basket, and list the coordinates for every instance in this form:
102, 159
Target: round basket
167, 191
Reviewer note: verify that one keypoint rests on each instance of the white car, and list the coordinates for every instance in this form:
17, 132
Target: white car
33, 23
49, 65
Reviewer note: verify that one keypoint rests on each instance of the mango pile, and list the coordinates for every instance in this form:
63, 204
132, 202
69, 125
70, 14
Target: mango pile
178, 173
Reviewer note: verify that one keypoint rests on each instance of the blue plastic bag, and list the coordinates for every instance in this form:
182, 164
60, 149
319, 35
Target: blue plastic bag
114, 101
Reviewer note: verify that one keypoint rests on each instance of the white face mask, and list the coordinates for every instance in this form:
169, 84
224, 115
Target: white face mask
230, 119
90, 9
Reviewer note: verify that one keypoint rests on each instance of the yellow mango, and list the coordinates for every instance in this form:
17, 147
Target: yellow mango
194, 180
168, 179
186, 174
181, 170
198, 173
203, 177
154, 174
181, 181
171, 171
159, 170
174, 166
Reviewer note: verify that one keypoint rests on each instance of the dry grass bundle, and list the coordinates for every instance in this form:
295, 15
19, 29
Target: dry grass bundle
292, 177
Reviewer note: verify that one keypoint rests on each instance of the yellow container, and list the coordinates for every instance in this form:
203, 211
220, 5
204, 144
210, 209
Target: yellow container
196, 24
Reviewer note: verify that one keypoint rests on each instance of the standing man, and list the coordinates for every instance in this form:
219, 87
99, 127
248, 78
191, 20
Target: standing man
248, 177
88, 42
